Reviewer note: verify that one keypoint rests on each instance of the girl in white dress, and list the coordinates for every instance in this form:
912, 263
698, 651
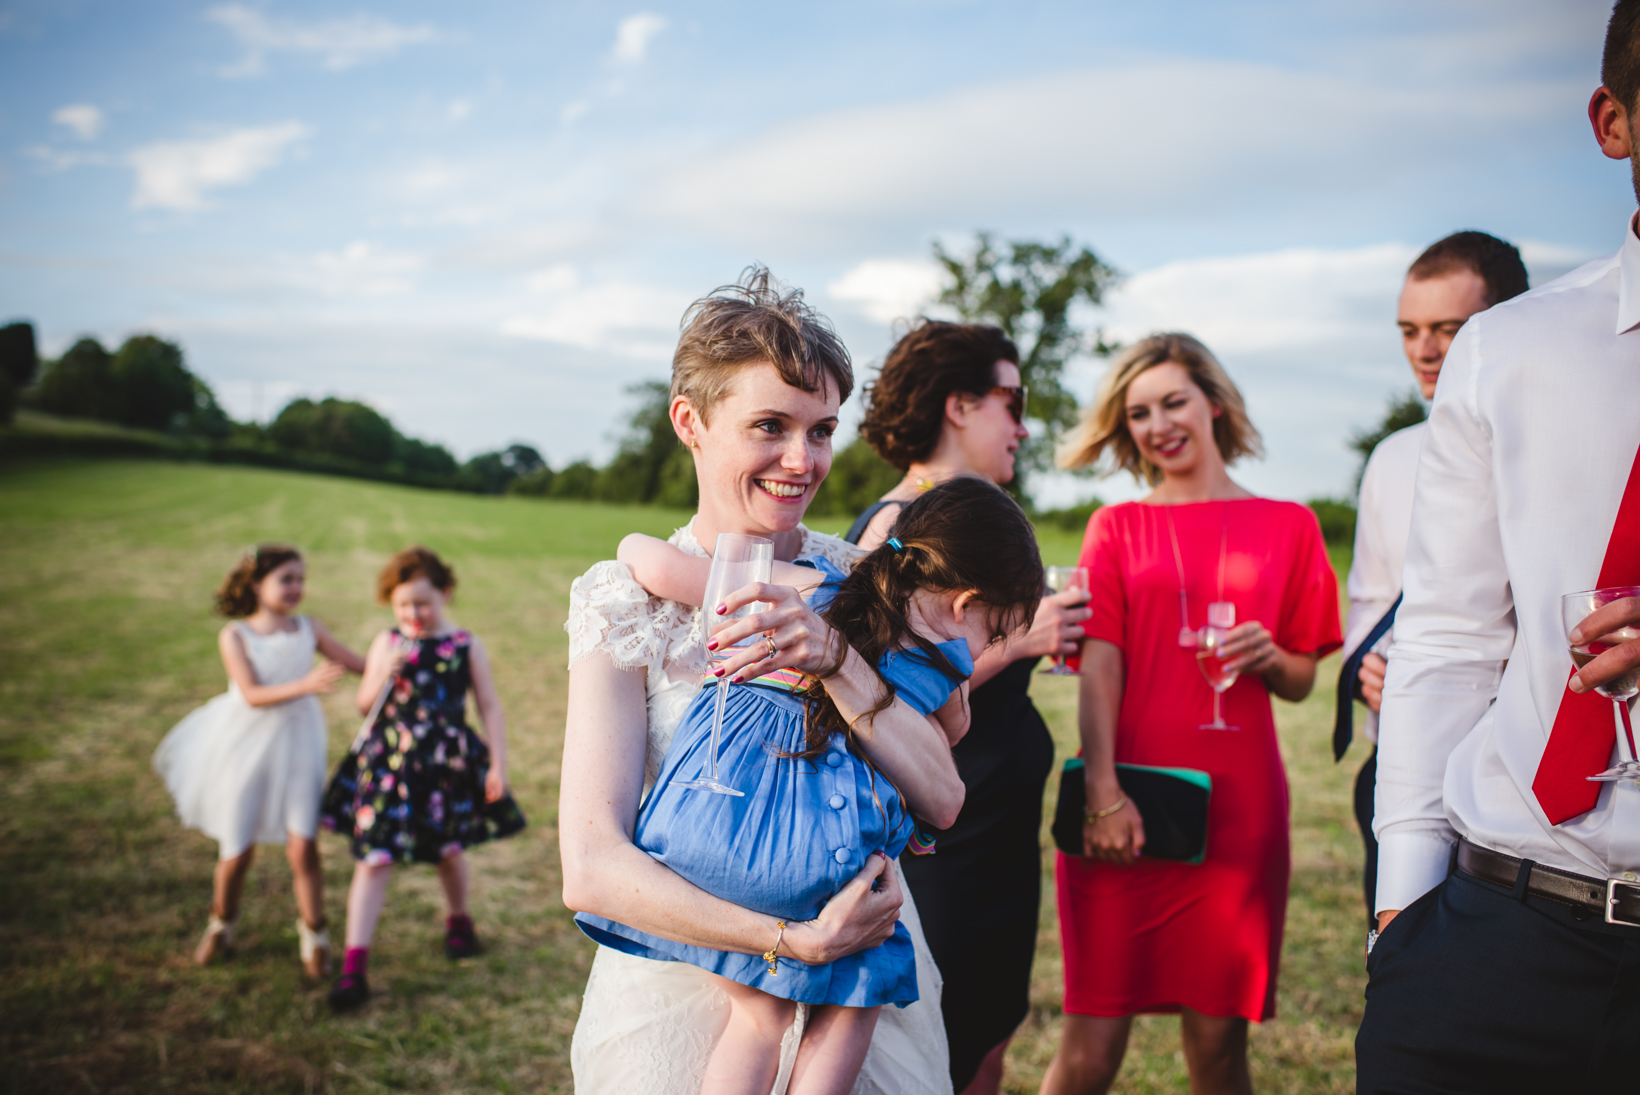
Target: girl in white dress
248, 768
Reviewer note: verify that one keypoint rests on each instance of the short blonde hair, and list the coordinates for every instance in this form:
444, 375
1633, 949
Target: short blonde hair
1104, 426
756, 320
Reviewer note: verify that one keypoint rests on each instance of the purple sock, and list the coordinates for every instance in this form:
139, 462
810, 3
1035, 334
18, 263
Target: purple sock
458, 920
355, 961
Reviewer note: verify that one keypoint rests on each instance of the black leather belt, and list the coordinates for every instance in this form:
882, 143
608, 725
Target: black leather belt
1618, 901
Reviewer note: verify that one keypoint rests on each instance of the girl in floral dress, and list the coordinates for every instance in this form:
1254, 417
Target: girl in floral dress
419, 784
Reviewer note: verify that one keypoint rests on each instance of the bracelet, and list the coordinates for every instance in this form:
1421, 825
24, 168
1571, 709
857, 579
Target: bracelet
768, 955
1106, 812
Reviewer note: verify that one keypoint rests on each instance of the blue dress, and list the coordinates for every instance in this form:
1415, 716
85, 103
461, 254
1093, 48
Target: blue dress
802, 831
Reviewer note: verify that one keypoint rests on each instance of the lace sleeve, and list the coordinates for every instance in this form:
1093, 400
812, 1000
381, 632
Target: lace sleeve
610, 612
834, 549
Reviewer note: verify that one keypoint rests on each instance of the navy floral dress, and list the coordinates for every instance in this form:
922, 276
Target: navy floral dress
412, 789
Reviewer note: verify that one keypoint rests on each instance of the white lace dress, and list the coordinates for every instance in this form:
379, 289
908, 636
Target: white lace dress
250, 775
648, 1027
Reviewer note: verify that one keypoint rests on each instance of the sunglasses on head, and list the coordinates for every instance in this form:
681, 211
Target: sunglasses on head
1015, 397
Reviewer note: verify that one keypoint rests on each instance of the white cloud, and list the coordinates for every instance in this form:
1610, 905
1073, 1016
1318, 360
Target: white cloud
342, 43
83, 119
178, 174
56, 159
458, 109
888, 289
574, 110
362, 269
626, 318
1213, 138
633, 35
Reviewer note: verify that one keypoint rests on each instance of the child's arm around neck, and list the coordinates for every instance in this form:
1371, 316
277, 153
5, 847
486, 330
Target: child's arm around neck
672, 574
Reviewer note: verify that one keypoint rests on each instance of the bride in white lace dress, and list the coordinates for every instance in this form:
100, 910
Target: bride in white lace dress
757, 381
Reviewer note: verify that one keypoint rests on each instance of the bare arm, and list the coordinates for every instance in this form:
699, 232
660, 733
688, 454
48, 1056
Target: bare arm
672, 574
321, 678
954, 718
333, 649
381, 662
1056, 630
606, 874
495, 722
1252, 649
1120, 836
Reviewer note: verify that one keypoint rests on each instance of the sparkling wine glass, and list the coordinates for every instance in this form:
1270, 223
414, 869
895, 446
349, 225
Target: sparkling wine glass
737, 561
1574, 608
1210, 640
1061, 579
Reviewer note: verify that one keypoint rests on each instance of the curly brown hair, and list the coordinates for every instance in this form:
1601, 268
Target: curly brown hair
414, 562
236, 597
905, 405
964, 534
756, 319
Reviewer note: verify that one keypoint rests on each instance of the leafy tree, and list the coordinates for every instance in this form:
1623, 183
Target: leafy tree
1337, 519
8, 399
80, 384
1405, 409
154, 388
19, 357
575, 481
207, 418
651, 465
336, 427
423, 459
536, 484
1028, 289
494, 472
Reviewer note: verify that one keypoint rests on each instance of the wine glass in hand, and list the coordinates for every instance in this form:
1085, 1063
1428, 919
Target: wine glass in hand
737, 562
1210, 640
1574, 609
1061, 580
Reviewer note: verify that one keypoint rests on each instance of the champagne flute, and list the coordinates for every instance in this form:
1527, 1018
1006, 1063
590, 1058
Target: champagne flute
1574, 609
1061, 579
737, 562
1210, 640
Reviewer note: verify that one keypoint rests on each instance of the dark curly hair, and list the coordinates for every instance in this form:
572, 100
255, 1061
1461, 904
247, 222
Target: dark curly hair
756, 319
414, 562
964, 534
236, 597
905, 405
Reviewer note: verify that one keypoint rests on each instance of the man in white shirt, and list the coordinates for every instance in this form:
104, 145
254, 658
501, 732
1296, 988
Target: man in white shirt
1509, 884
1465, 273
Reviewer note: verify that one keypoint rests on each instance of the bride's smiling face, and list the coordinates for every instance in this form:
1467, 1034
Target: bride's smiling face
762, 452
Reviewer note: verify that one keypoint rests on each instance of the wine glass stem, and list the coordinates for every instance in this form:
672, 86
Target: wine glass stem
717, 723
1218, 719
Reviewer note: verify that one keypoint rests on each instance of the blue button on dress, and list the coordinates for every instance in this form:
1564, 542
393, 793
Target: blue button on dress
802, 831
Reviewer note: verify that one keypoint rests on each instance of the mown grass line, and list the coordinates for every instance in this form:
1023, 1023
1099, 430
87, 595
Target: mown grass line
106, 636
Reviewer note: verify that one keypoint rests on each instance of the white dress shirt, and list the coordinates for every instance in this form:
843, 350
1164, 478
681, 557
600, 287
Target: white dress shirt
1382, 523
1534, 429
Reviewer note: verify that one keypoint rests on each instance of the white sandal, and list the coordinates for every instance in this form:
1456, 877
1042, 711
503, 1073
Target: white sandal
217, 942
315, 946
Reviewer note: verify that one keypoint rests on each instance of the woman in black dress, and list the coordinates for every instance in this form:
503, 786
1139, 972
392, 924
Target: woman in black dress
949, 401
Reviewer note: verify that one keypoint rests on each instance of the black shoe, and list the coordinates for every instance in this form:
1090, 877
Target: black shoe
460, 941
349, 992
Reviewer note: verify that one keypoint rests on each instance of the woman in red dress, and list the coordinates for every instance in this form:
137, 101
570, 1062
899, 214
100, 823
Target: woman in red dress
1146, 935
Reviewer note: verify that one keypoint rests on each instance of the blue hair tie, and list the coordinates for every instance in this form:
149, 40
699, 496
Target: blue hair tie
894, 542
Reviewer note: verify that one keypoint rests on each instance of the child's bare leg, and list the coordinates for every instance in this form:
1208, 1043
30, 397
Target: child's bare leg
365, 899
452, 875
229, 884
747, 1057
307, 879
833, 1049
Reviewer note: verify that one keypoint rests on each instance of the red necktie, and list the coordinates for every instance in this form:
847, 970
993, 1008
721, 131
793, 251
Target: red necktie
1581, 742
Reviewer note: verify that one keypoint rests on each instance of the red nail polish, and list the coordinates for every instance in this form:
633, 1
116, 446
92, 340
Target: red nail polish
712, 645
735, 679
721, 609
717, 672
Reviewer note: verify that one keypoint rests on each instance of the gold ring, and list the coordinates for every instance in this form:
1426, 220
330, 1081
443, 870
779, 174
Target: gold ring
773, 649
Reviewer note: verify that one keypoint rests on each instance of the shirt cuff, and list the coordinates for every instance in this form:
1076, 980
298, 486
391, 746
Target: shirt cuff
1409, 866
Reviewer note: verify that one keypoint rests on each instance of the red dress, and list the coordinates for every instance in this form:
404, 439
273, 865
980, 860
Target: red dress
1160, 935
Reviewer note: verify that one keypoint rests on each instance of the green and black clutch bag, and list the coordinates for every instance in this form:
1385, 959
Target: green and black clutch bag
1172, 802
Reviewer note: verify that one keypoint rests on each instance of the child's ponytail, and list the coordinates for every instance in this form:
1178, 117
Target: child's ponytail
963, 535
236, 598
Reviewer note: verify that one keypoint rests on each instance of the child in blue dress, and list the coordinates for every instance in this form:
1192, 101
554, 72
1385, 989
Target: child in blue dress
961, 572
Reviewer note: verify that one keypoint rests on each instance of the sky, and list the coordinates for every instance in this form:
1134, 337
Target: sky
486, 219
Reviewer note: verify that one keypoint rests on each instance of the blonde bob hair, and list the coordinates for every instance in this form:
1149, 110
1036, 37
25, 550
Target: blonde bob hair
1104, 426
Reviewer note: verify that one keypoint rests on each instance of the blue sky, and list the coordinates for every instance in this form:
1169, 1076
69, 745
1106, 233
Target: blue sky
485, 219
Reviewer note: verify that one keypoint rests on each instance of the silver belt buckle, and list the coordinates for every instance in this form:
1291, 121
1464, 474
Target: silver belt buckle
1612, 885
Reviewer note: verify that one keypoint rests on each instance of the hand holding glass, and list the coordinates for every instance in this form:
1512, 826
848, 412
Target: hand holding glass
1574, 609
737, 561
1061, 580
1210, 640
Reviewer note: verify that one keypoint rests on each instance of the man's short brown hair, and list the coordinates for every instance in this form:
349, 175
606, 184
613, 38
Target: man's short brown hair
1620, 63
1496, 262
756, 319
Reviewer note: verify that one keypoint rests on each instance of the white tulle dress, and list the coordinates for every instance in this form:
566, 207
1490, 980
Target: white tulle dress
248, 775
648, 1027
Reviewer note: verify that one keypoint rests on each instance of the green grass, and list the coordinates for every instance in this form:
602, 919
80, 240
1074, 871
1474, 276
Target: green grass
106, 639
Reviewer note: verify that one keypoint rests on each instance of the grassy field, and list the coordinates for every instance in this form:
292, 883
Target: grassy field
106, 638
